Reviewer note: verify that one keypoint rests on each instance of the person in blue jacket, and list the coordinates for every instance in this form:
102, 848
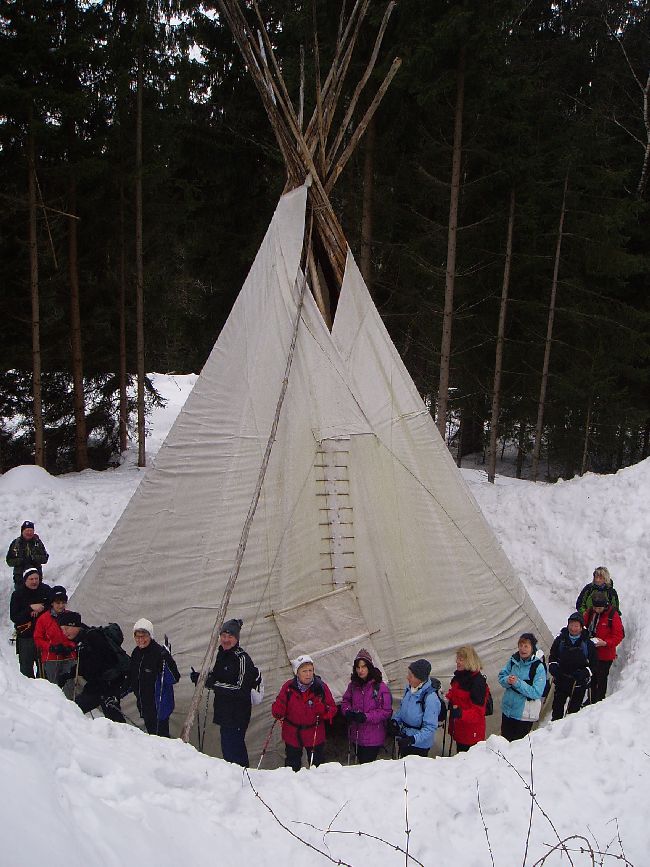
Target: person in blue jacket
414, 725
524, 679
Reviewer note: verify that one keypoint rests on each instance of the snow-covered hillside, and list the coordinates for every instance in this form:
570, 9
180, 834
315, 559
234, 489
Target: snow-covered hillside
88, 792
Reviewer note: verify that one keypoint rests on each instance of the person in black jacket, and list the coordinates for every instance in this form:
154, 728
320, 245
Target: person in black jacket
25, 552
152, 675
572, 660
97, 664
232, 679
27, 604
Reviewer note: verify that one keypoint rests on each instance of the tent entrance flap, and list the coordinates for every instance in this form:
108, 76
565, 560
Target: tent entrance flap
331, 629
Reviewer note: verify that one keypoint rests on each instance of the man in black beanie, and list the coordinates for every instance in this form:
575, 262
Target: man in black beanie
98, 664
25, 552
232, 679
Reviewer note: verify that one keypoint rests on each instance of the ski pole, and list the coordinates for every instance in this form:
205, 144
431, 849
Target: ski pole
313, 746
568, 704
162, 681
76, 676
356, 746
266, 745
444, 736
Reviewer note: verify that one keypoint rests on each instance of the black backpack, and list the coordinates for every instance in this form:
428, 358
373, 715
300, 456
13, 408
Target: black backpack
531, 675
114, 638
442, 713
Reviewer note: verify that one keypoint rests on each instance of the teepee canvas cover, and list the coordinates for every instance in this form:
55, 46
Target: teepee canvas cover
365, 533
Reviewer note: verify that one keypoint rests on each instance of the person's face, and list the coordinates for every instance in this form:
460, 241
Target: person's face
599, 609
599, 580
142, 638
412, 680
361, 668
227, 641
460, 663
58, 606
28, 533
574, 627
70, 632
305, 673
32, 581
525, 649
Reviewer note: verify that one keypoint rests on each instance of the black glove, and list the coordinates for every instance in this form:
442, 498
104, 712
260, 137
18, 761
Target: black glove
194, 676
360, 716
350, 715
60, 649
581, 677
456, 713
405, 742
554, 669
393, 728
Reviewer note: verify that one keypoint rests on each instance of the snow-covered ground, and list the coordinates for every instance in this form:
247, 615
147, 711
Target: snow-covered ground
88, 792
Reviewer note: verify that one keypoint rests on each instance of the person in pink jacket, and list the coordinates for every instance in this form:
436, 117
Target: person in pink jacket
367, 706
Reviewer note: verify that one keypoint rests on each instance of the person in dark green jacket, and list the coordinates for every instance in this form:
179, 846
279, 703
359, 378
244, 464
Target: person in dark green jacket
602, 581
25, 552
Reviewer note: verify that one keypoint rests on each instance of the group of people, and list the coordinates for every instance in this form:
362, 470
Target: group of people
579, 661
64, 649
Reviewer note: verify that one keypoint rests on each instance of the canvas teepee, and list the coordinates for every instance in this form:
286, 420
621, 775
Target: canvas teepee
364, 533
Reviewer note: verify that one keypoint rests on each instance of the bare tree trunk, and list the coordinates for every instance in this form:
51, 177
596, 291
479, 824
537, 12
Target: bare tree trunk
139, 269
585, 450
498, 361
123, 408
549, 338
81, 449
521, 449
645, 448
365, 259
39, 434
450, 276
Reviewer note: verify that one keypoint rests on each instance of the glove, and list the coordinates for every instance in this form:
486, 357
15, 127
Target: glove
405, 742
194, 676
360, 716
60, 649
456, 713
350, 715
553, 669
393, 728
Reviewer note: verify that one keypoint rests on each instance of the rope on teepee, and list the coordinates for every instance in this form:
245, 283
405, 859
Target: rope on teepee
301, 282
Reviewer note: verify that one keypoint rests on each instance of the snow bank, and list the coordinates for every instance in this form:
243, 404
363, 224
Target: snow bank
102, 794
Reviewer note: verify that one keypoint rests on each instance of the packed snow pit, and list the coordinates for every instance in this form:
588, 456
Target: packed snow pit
105, 794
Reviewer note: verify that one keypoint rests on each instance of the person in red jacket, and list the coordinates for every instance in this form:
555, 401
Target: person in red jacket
303, 705
467, 697
58, 654
604, 624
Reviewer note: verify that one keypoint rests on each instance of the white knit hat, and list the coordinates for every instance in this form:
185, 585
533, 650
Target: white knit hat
303, 659
143, 624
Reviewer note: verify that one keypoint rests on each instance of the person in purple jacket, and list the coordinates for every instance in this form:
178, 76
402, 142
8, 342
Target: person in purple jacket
367, 706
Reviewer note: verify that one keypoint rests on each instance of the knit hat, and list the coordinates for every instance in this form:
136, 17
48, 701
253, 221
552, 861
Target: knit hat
365, 655
25, 525
59, 594
528, 636
576, 616
232, 627
301, 660
421, 669
69, 618
599, 599
30, 571
144, 625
